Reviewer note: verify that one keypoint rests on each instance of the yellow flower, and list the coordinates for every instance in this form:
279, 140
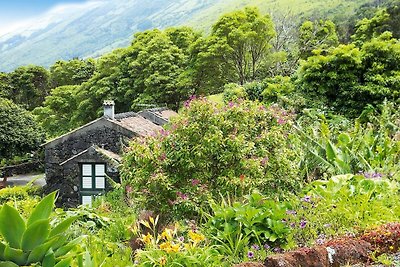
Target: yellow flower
174, 248
147, 238
168, 247
196, 237
163, 260
167, 234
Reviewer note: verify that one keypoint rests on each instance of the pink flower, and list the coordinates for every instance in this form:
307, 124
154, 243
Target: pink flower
195, 182
281, 121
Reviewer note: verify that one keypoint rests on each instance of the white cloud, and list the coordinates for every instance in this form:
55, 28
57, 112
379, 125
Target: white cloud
56, 14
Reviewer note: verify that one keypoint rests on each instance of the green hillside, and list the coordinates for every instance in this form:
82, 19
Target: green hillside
299, 9
106, 25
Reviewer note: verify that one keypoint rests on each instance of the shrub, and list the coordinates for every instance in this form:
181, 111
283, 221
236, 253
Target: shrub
233, 92
257, 221
370, 146
344, 204
16, 193
210, 149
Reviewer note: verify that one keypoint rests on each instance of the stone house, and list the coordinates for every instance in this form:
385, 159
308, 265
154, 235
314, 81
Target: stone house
84, 162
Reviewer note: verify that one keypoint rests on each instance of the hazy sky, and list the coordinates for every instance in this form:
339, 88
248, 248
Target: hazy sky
15, 11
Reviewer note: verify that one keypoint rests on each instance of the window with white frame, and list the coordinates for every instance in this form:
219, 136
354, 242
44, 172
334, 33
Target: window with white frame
93, 181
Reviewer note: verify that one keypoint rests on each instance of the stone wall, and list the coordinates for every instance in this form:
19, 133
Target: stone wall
101, 133
69, 191
22, 168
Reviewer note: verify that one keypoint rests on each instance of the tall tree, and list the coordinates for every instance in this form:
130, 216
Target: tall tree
247, 35
19, 132
29, 86
318, 35
73, 72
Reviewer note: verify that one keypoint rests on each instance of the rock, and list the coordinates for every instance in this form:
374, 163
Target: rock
334, 253
249, 264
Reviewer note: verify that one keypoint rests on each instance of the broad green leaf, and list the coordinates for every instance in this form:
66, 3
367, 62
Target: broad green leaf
331, 151
36, 234
12, 226
39, 253
62, 227
49, 260
65, 249
64, 263
7, 264
2, 247
61, 240
88, 259
15, 255
43, 209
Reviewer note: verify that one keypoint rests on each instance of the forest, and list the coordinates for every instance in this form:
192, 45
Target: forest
287, 136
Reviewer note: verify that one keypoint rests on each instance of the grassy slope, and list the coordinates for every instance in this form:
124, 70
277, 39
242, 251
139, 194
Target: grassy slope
301, 9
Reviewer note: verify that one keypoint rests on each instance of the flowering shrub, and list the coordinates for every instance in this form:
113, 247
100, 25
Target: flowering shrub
175, 247
211, 149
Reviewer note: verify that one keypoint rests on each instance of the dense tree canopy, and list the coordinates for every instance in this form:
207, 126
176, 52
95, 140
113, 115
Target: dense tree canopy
19, 133
73, 72
348, 78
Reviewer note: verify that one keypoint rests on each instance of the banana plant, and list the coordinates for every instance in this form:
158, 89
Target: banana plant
33, 240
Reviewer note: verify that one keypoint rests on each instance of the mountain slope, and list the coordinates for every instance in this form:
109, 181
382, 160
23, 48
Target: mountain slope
98, 26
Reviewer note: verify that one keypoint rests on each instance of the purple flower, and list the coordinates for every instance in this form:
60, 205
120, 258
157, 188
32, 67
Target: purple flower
277, 250
182, 196
250, 254
291, 212
292, 225
306, 199
266, 246
195, 182
255, 247
264, 161
181, 239
303, 224
327, 225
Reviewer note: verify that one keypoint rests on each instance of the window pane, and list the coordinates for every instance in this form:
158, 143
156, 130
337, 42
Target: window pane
86, 182
87, 200
87, 170
100, 171
100, 183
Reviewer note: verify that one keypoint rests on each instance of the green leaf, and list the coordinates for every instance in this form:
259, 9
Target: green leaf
49, 260
62, 227
7, 264
64, 263
36, 234
2, 248
38, 254
12, 226
65, 249
43, 209
331, 151
15, 255
60, 241
88, 259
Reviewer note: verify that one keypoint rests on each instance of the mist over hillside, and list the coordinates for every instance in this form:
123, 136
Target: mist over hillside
98, 26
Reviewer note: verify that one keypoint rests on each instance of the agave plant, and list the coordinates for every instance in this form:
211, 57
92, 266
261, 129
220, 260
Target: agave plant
33, 240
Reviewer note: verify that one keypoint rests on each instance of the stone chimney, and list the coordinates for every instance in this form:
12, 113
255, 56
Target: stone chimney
109, 109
